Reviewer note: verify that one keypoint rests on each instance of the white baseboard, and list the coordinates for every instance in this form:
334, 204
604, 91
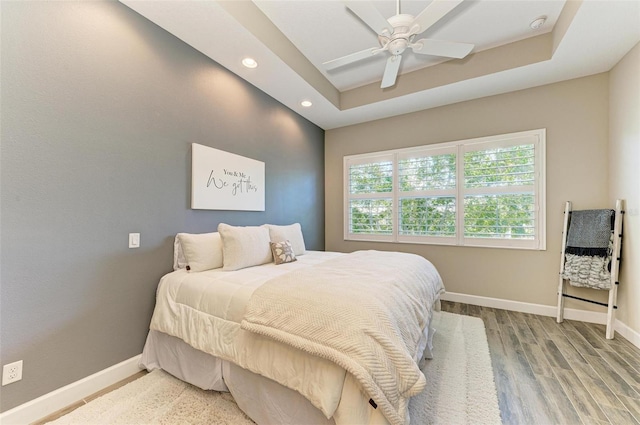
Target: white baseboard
545, 310
47, 404
631, 335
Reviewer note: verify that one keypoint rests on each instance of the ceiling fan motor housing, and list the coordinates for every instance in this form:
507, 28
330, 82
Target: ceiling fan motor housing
401, 33
397, 46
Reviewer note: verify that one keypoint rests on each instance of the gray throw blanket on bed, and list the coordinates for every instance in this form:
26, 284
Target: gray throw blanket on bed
589, 247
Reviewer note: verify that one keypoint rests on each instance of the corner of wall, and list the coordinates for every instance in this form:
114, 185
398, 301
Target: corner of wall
624, 175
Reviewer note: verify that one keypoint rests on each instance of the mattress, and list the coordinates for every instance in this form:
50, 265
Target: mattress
205, 309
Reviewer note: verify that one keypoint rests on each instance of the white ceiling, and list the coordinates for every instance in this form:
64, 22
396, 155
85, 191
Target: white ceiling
597, 37
325, 30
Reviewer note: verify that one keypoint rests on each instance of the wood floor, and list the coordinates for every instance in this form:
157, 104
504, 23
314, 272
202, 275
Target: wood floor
567, 373
74, 406
548, 373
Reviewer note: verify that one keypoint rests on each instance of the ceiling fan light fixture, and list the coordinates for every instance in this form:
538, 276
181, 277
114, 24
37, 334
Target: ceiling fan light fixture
538, 22
249, 62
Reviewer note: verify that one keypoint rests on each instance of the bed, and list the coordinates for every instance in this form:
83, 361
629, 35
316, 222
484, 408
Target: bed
304, 339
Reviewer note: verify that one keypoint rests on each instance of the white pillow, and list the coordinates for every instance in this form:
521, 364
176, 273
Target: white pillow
244, 246
291, 233
201, 251
179, 262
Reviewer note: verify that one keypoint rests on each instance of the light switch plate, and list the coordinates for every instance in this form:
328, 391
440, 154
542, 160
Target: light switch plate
134, 240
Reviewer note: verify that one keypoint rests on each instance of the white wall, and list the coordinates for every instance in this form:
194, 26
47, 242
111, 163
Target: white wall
624, 177
576, 116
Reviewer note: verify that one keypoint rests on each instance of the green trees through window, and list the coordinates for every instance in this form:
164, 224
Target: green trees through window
509, 214
371, 216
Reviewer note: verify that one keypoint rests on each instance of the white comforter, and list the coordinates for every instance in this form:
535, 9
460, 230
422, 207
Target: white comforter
364, 311
205, 310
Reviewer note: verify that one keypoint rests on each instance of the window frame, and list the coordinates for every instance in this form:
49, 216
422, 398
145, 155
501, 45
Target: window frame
459, 147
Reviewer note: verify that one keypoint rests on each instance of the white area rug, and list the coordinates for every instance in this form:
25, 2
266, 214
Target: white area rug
460, 389
460, 386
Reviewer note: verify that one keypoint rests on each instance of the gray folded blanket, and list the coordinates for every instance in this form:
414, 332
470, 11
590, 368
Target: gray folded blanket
589, 232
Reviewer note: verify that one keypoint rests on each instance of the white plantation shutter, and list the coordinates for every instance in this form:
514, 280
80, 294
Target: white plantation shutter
369, 199
502, 180
479, 192
427, 195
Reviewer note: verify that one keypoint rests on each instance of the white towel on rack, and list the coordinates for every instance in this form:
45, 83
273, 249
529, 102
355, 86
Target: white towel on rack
591, 271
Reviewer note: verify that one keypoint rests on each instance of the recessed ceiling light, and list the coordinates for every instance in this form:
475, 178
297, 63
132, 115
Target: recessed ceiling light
538, 22
249, 62
306, 103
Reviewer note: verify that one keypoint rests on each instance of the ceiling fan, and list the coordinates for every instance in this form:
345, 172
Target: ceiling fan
397, 33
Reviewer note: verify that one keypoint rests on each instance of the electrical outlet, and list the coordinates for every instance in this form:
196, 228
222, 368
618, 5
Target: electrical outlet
11, 372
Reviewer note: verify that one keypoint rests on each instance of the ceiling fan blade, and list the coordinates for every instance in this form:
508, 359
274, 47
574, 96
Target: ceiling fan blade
432, 14
371, 16
353, 57
449, 49
391, 71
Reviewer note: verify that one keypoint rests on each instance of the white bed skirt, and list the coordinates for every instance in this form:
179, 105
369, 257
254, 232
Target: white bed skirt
265, 401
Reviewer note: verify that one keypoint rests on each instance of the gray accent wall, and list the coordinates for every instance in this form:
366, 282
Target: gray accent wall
99, 110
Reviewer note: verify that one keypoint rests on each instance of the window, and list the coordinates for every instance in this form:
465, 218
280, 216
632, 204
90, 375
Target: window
370, 190
479, 192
